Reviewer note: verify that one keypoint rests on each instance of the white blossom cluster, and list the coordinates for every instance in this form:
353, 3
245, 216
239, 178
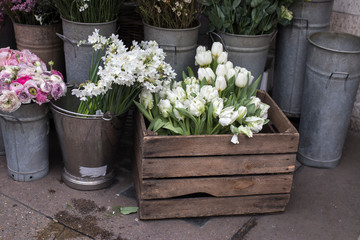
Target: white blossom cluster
142, 64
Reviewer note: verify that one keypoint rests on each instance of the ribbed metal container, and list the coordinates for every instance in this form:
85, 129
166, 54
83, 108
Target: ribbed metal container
78, 57
26, 140
89, 144
291, 48
332, 79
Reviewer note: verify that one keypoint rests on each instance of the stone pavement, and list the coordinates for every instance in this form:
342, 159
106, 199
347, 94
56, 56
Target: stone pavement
324, 205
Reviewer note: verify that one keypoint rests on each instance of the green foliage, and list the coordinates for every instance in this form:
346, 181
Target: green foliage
247, 17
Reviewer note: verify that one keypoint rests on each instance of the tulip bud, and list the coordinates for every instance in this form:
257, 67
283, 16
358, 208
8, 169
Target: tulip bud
230, 73
216, 49
220, 83
211, 74
229, 65
203, 58
221, 70
241, 80
222, 59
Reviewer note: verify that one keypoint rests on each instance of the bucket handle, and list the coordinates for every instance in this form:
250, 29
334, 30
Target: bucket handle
73, 42
171, 46
339, 73
300, 20
110, 117
15, 118
221, 39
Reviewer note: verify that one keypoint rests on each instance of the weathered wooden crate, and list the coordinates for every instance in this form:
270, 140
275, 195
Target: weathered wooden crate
207, 175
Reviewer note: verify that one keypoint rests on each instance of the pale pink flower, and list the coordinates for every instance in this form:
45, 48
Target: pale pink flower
16, 87
9, 102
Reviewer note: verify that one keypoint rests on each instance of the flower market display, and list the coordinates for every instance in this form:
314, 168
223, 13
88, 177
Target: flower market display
113, 86
220, 100
24, 78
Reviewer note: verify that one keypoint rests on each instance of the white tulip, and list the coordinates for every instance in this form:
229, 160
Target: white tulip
254, 123
195, 106
228, 116
146, 99
180, 93
218, 105
177, 114
242, 112
222, 59
165, 107
245, 130
209, 93
221, 70
203, 58
220, 83
202, 73
216, 49
256, 101
241, 80
200, 49
229, 65
211, 74
230, 73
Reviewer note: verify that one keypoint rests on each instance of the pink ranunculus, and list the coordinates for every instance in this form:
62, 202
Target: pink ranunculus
31, 88
23, 80
5, 53
9, 102
41, 97
4, 86
45, 86
24, 97
16, 87
58, 73
57, 91
10, 62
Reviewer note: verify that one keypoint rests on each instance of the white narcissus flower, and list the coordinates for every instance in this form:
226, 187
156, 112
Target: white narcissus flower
209, 93
254, 123
165, 107
220, 83
216, 49
218, 105
203, 58
146, 99
228, 116
221, 70
222, 59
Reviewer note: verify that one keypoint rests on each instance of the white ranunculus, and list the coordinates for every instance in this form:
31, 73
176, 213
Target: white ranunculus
146, 99
203, 58
221, 70
220, 83
165, 107
216, 49
222, 59
254, 123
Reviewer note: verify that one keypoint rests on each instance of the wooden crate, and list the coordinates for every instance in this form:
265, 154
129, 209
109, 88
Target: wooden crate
207, 175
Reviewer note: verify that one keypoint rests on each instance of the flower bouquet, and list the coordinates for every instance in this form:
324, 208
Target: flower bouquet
114, 85
24, 78
33, 12
220, 100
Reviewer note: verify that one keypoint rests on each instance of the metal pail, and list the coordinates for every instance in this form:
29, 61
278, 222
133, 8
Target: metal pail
178, 44
78, 57
291, 47
26, 139
42, 41
248, 51
331, 81
89, 144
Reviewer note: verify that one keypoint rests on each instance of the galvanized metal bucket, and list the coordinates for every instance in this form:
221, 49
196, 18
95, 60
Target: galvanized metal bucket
42, 41
178, 44
78, 57
26, 139
248, 51
331, 81
89, 144
291, 47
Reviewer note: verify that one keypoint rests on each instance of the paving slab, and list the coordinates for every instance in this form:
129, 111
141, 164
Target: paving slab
324, 203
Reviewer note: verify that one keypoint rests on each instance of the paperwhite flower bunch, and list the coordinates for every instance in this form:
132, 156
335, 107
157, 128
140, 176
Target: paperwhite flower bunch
221, 100
140, 67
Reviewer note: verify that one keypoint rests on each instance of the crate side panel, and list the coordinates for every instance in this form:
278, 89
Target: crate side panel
202, 207
217, 186
217, 165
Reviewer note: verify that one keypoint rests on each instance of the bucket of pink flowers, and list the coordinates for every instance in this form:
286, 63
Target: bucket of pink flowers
26, 86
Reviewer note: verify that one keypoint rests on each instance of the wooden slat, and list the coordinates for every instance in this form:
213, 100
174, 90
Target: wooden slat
217, 186
202, 207
217, 165
209, 145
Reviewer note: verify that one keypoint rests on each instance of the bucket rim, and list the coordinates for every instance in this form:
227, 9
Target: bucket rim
333, 34
38, 26
249, 36
88, 24
174, 29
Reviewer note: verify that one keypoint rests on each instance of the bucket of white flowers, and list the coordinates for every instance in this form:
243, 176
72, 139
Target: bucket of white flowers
207, 145
90, 120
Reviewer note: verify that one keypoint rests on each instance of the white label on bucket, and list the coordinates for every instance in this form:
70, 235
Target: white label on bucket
93, 172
